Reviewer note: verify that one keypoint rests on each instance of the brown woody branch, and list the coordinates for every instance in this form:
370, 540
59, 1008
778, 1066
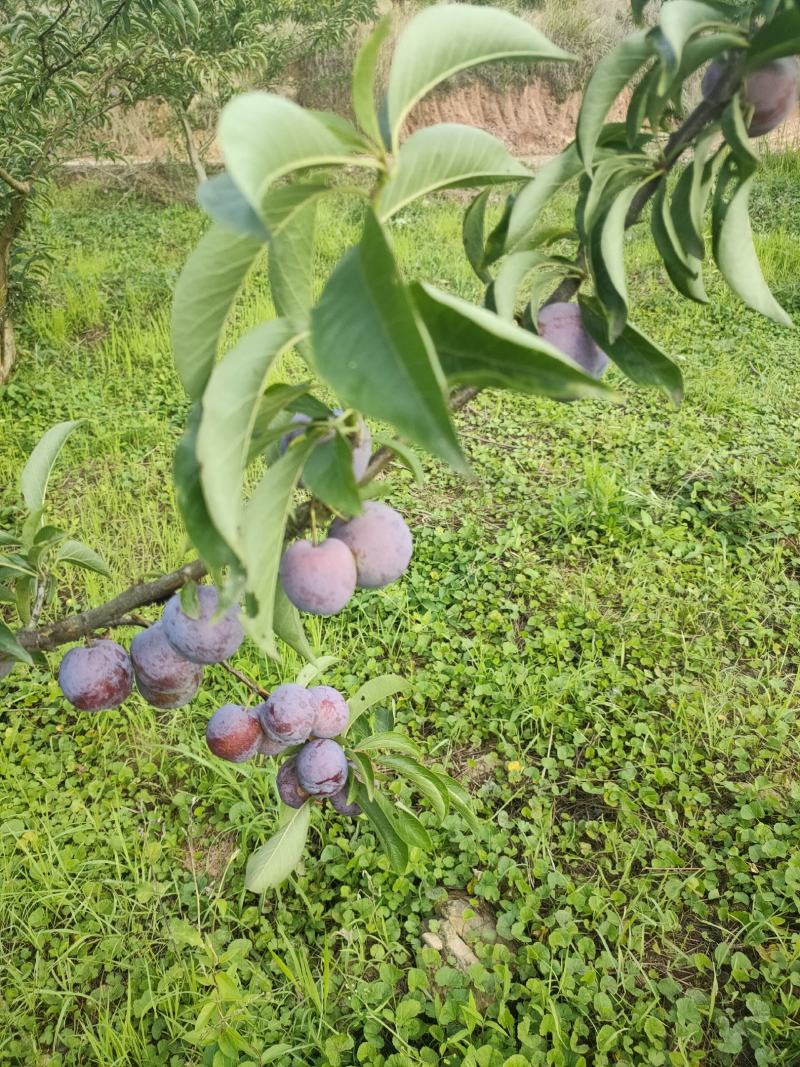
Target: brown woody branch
112, 614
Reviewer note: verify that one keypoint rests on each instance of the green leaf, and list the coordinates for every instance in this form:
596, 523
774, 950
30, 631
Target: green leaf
634, 353
265, 137
473, 232
734, 250
477, 347
690, 198
683, 269
407, 456
312, 671
10, 646
737, 137
461, 801
374, 692
291, 263
408, 826
609, 78
204, 293
509, 279
263, 527
447, 38
328, 476
440, 157
364, 72
529, 203
371, 347
214, 551
223, 201
36, 472
384, 823
230, 407
606, 254
80, 555
679, 21
9, 539
272, 864
265, 430
288, 625
777, 38
389, 741
367, 771
425, 781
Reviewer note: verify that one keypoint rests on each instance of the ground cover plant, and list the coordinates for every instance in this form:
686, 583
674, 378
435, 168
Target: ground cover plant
637, 785
421, 334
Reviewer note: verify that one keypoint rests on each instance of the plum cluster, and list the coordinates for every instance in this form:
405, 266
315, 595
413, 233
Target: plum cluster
166, 660
367, 552
291, 716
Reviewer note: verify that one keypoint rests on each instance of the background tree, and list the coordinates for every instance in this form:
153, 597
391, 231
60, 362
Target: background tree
239, 41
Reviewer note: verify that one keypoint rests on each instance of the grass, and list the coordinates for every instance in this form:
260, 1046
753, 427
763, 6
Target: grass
602, 633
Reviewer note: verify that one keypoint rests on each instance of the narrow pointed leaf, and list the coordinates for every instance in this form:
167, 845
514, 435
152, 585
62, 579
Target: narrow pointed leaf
389, 741
291, 263
364, 72
371, 346
10, 646
425, 781
328, 476
263, 528
265, 137
272, 864
473, 232
691, 197
204, 294
683, 269
80, 555
213, 549
777, 38
509, 279
288, 625
610, 77
36, 472
230, 407
375, 692
447, 38
365, 770
734, 250
395, 847
408, 826
477, 347
607, 261
634, 353
224, 202
443, 156
529, 203
679, 21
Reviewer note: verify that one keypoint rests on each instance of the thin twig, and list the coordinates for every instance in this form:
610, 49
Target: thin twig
251, 685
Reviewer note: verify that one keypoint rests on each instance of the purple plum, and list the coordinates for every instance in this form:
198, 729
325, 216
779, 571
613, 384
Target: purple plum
561, 324
340, 803
234, 733
332, 713
289, 789
97, 677
163, 677
287, 715
771, 91
380, 541
318, 579
202, 640
322, 767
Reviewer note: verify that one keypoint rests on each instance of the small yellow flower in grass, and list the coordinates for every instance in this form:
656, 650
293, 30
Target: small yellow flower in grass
514, 767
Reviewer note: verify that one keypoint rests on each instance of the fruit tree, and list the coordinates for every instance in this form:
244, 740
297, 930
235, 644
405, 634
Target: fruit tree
272, 480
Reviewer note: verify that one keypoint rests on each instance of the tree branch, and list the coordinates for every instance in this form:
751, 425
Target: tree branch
707, 111
74, 627
23, 188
